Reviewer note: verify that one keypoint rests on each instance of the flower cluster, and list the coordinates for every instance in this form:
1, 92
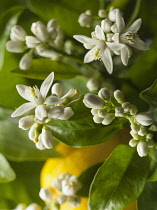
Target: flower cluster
66, 187
41, 109
32, 206
45, 40
111, 38
105, 109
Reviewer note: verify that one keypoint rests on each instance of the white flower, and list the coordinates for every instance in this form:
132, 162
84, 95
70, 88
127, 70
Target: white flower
26, 122
99, 48
15, 46
46, 138
128, 38
20, 206
25, 62
17, 33
40, 31
35, 96
45, 194
70, 186
33, 206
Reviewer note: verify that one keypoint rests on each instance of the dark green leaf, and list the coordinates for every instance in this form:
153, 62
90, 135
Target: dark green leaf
7, 20
14, 142
120, 180
147, 200
86, 179
81, 130
42, 67
6, 172
153, 165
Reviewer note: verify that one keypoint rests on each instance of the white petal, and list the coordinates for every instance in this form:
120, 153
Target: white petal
57, 89
47, 138
41, 112
107, 60
99, 33
139, 44
84, 39
119, 22
115, 46
125, 55
22, 90
46, 84
24, 108
89, 56
53, 100
68, 112
55, 112
135, 26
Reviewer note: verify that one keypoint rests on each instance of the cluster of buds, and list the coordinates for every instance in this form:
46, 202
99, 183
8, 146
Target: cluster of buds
66, 187
110, 38
32, 206
45, 39
106, 108
41, 109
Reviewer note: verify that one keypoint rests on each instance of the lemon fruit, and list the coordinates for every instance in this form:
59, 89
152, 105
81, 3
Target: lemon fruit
75, 161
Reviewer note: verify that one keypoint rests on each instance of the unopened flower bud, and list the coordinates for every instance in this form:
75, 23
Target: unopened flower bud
133, 143
52, 24
104, 93
17, 33
142, 131
97, 119
61, 199
102, 113
20, 206
57, 184
47, 138
57, 89
93, 101
94, 111
109, 37
153, 128
40, 31
53, 33
32, 41
126, 106
45, 194
55, 112
102, 13
112, 15
106, 25
108, 119
151, 143
41, 48
41, 112
33, 206
144, 118
15, 46
142, 148
50, 54
74, 201
133, 111
31, 132
25, 62
135, 128
149, 136
85, 20
39, 145
26, 122
119, 112
68, 112
134, 135
92, 84
114, 28
119, 96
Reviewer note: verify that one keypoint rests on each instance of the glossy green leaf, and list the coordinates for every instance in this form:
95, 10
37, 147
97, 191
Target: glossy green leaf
42, 67
7, 20
25, 188
80, 130
14, 142
147, 200
6, 172
86, 179
120, 180
153, 165
66, 12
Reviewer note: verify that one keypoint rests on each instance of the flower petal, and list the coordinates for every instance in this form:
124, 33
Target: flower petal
139, 44
119, 22
115, 46
107, 60
22, 90
136, 25
46, 84
24, 108
53, 100
89, 55
125, 54
99, 33
41, 112
83, 39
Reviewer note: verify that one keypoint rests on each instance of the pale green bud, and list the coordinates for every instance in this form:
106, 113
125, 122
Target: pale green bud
119, 112
133, 143
15, 46
119, 96
102, 113
17, 33
93, 101
102, 13
126, 106
40, 31
108, 119
25, 62
144, 118
92, 84
106, 25
142, 148
97, 119
104, 93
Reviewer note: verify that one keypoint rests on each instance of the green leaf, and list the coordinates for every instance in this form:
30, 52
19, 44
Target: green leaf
120, 180
153, 165
81, 130
42, 67
147, 200
66, 12
6, 172
25, 188
14, 142
7, 20
86, 179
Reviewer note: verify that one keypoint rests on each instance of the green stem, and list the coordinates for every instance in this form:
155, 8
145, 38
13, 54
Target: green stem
102, 4
135, 13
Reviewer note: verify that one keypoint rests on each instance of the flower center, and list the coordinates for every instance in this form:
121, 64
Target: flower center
131, 36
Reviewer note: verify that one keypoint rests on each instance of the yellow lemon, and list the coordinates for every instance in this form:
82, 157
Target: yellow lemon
76, 160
